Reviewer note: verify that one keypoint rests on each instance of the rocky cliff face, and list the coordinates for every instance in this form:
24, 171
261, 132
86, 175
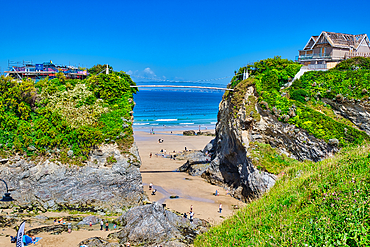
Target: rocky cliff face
98, 185
357, 112
238, 126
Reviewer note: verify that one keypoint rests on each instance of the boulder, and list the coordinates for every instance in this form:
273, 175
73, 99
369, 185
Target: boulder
188, 133
86, 221
98, 242
151, 224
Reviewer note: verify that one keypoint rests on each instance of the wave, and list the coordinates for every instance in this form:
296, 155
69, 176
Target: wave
166, 120
186, 123
213, 122
141, 123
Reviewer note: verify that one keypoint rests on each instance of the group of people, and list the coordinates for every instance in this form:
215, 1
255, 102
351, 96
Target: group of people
106, 225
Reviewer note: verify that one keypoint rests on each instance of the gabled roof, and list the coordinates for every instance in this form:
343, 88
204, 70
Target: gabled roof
339, 40
310, 43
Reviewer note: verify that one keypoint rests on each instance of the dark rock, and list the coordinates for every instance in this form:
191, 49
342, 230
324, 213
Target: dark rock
6, 221
86, 221
196, 164
98, 242
54, 229
3, 161
333, 142
205, 133
188, 133
150, 225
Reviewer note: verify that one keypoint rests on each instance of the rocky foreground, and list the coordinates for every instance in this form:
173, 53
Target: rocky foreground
97, 186
152, 225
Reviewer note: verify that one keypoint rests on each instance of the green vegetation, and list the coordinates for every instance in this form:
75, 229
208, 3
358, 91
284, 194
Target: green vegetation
312, 204
298, 104
266, 158
65, 117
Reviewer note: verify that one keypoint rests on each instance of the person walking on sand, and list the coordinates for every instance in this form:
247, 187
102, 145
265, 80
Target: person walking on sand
150, 155
69, 227
90, 224
220, 208
107, 226
101, 225
191, 208
150, 186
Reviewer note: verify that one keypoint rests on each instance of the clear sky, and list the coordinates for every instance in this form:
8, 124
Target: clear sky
177, 40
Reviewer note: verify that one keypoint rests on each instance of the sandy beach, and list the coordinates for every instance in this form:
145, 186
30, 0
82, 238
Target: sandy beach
190, 189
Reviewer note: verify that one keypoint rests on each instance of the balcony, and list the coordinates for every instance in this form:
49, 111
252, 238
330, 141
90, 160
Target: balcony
315, 57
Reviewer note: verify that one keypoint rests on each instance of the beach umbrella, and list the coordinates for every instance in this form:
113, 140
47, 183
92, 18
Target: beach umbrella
20, 235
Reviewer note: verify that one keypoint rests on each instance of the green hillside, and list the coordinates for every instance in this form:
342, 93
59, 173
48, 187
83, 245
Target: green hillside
312, 204
65, 118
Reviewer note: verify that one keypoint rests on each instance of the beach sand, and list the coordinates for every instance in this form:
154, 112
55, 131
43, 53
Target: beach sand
192, 190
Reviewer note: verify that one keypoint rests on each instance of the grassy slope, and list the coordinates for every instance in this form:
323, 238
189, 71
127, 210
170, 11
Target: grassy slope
312, 204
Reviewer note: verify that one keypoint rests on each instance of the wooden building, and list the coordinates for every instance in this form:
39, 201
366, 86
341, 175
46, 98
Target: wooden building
328, 49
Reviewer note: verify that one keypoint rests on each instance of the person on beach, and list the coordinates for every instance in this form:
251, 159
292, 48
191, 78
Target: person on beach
191, 208
191, 215
216, 194
220, 208
150, 186
107, 226
153, 192
90, 224
114, 226
69, 227
101, 225
185, 216
150, 155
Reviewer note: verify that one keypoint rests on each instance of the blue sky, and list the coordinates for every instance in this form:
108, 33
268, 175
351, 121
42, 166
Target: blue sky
176, 40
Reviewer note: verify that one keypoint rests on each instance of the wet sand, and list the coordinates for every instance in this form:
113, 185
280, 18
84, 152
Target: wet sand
192, 190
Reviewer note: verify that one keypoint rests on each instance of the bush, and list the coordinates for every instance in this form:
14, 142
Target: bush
299, 95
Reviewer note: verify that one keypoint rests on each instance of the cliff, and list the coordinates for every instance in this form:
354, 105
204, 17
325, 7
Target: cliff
264, 127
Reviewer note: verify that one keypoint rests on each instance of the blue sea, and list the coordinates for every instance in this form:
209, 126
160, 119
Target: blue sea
176, 108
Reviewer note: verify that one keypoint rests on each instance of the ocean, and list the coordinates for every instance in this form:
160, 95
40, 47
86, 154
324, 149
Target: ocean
176, 108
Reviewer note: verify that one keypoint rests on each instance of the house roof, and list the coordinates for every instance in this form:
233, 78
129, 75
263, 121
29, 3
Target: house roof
340, 40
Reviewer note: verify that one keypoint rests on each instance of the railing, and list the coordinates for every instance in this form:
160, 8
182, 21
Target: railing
356, 54
317, 66
314, 56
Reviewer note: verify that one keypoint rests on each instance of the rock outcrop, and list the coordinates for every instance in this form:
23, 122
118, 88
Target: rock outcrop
248, 122
152, 225
358, 114
96, 186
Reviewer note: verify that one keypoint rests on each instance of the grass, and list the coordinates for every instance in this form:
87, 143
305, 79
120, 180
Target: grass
266, 158
312, 204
